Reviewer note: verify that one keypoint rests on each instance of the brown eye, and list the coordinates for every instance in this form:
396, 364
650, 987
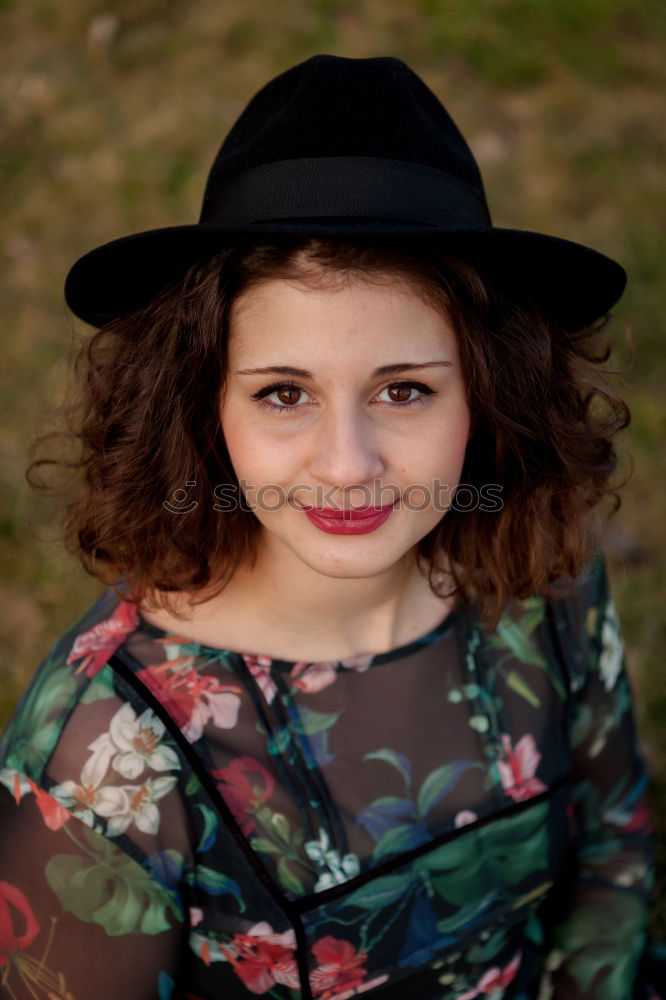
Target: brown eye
400, 393
288, 395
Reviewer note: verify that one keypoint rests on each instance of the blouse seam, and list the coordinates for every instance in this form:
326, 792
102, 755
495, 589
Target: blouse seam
119, 663
314, 775
290, 774
407, 857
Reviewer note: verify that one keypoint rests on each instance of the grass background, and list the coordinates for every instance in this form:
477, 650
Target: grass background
113, 115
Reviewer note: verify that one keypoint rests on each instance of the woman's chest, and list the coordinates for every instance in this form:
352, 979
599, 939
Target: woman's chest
409, 809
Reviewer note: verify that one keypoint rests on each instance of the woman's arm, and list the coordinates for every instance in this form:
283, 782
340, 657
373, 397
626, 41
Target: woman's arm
597, 940
93, 842
79, 917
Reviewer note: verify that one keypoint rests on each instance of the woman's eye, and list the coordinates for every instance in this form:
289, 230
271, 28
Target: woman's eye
286, 394
400, 393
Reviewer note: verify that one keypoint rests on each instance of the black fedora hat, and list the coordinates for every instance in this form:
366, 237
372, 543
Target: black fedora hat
353, 148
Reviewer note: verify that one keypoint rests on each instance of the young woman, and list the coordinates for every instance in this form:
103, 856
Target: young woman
353, 715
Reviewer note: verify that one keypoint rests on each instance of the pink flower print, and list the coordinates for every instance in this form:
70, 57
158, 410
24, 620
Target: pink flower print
314, 677
190, 697
260, 668
517, 770
241, 790
338, 970
464, 817
493, 982
261, 958
100, 642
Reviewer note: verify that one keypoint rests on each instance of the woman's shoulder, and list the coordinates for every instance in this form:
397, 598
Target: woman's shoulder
73, 675
585, 619
85, 749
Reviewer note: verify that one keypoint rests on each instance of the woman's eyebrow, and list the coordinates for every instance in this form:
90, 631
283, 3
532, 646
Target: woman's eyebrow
384, 370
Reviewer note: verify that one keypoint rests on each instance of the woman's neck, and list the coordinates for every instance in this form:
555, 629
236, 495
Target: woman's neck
293, 613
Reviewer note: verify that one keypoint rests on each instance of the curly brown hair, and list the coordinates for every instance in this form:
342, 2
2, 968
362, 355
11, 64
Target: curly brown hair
146, 422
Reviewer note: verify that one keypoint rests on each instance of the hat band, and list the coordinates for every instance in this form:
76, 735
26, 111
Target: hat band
357, 186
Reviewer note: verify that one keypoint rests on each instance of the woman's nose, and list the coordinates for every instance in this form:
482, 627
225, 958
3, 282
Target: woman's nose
345, 450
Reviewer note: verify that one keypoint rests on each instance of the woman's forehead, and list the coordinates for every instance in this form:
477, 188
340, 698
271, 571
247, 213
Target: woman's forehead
364, 315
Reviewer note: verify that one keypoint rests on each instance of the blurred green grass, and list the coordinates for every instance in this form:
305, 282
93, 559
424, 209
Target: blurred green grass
113, 115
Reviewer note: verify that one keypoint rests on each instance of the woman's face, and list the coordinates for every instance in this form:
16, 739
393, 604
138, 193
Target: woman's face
342, 398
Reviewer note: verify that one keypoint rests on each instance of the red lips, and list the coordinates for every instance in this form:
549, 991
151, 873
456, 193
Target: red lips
350, 521
349, 513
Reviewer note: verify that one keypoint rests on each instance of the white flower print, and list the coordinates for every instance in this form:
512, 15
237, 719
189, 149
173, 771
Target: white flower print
82, 798
134, 743
340, 869
129, 746
612, 648
125, 804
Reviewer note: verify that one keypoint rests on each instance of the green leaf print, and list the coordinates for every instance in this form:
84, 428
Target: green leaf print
399, 838
534, 613
210, 826
510, 635
450, 855
280, 825
515, 637
216, 883
380, 892
517, 845
439, 783
501, 854
517, 684
31, 738
600, 934
465, 914
287, 877
311, 722
396, 759
105, 886
193, 785
267, 846
101, 686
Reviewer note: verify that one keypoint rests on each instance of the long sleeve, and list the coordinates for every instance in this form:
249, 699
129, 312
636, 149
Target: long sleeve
93, 844
79, 917
596, 942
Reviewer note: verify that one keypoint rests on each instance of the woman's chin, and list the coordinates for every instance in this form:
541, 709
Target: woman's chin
353, 565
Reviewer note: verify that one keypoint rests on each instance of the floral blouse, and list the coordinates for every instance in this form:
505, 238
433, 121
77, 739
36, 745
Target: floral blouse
463, 816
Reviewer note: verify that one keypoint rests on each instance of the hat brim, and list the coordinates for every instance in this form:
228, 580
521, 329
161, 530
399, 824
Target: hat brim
575, 284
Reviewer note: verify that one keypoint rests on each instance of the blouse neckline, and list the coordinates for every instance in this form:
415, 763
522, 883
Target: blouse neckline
446, 625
